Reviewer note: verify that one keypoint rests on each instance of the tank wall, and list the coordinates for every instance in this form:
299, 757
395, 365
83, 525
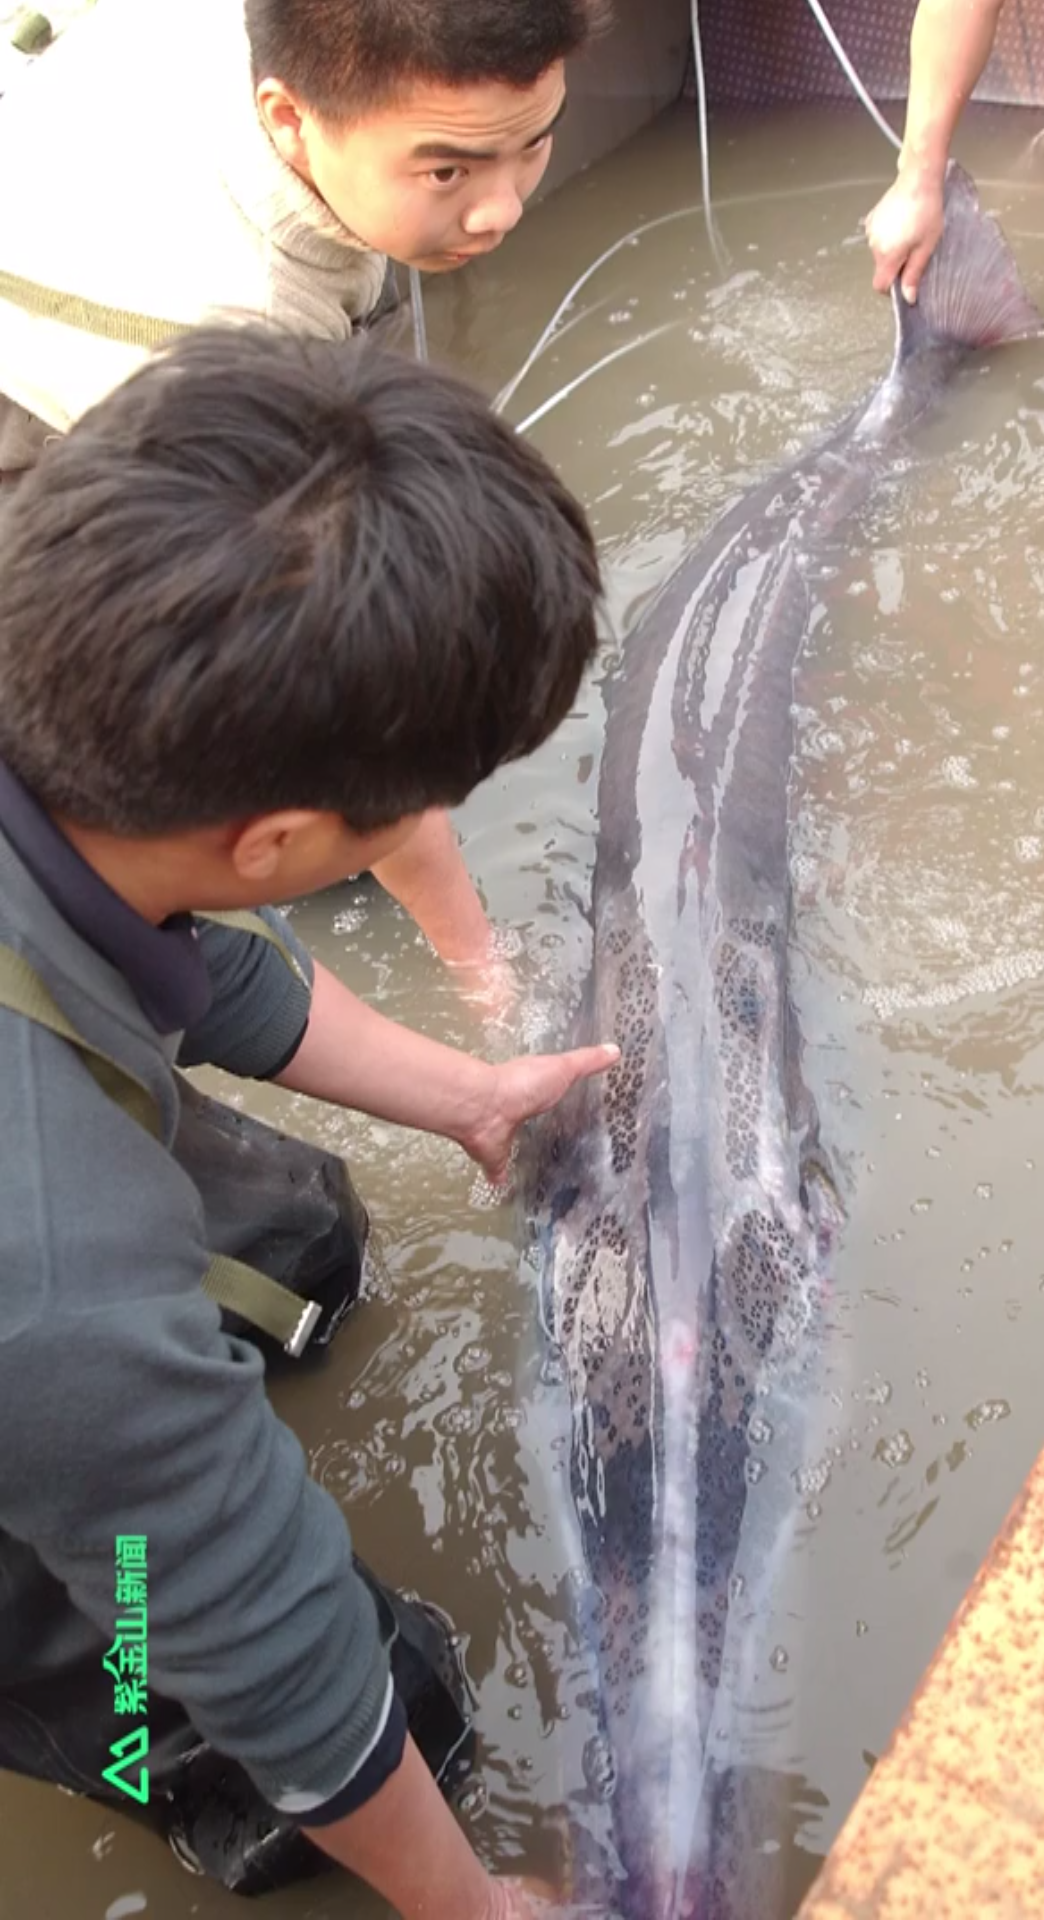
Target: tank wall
620, 82
764, 52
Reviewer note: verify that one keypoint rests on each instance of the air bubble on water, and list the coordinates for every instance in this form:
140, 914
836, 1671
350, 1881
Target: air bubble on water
514, 1713
457, 1420
754, 1470
507, 943
814, 1510
759, 1431
895, 1449
779, 1659
921, 1206
1028, 847
737, 1587
922, 1378
474, 1358
956, 771
984, 1191
517, 1674
599, 1767
473, 1798
813, 1479
620, 317
932, 1153
861, 1628
483, 1195
967, 1265
986, 1413
878, 1392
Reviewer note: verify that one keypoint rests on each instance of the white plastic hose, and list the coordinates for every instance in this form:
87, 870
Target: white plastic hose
420, 329
850, 73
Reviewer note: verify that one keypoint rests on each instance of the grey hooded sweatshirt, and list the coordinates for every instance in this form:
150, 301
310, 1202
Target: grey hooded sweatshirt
124, 1407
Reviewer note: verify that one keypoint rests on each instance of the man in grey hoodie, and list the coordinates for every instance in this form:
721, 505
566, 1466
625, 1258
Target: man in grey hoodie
264, 605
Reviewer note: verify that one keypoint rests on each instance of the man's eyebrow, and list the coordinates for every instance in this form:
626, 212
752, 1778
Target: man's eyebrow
443, 151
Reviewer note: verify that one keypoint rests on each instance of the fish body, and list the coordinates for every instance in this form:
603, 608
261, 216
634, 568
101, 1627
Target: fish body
684, 1202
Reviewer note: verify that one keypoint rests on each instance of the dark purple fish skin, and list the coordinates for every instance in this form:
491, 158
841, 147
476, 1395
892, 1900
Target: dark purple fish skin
683, 1202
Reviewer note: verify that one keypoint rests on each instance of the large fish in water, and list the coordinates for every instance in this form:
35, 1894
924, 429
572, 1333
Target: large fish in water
683, 1201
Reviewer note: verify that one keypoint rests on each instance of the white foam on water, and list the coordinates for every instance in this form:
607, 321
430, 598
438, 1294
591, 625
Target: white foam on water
992, 976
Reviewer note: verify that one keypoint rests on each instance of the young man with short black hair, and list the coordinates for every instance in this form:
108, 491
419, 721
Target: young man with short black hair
184, 163
264, 605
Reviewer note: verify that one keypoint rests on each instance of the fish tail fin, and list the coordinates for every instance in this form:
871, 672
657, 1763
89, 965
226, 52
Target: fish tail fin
971, 294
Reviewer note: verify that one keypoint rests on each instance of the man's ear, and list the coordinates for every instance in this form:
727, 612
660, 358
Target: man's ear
282, 119
259, 848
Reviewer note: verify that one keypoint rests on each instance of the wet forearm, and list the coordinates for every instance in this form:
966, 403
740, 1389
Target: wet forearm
406, 1844
949, 47
355, 1057
428, 877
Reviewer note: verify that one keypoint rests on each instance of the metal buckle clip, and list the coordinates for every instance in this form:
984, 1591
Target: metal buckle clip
311, 1312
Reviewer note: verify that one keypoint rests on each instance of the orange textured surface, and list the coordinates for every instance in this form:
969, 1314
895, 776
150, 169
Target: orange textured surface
951, 1821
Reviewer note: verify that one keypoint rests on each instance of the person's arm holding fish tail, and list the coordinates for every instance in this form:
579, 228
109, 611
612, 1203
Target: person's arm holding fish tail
950, 44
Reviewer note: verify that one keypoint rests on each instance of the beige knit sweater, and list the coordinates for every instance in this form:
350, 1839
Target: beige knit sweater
135, 173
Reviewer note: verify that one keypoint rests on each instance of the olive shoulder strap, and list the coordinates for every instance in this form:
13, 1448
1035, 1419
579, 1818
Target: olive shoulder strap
231, 1283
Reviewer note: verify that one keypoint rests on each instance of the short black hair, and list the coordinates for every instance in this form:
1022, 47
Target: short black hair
343, 57
276, 572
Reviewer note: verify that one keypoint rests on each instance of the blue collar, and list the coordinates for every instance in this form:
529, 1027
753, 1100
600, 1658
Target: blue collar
163, 966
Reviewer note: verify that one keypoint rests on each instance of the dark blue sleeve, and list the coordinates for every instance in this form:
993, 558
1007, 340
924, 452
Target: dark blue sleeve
260, 1009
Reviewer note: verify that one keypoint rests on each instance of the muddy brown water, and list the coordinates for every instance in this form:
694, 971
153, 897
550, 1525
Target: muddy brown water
919, 969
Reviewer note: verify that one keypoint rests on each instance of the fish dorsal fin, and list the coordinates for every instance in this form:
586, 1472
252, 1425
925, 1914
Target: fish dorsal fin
971, 294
